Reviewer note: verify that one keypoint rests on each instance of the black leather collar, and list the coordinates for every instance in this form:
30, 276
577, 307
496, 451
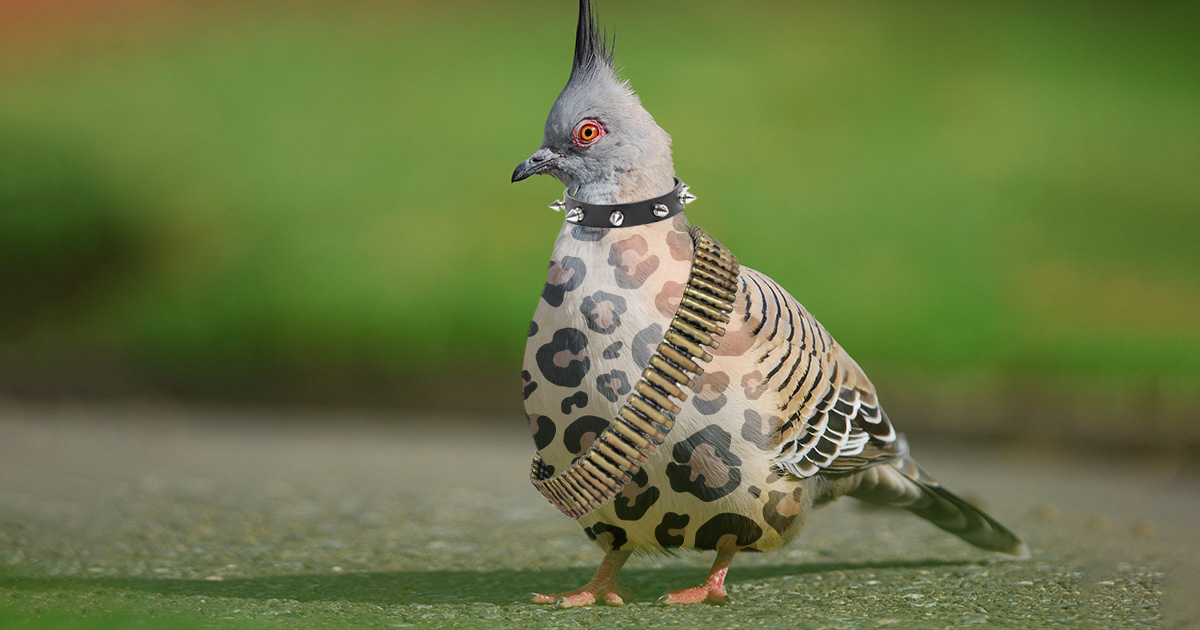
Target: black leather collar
626, 214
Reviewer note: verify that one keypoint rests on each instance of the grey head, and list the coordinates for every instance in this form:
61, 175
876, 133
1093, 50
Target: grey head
599, 141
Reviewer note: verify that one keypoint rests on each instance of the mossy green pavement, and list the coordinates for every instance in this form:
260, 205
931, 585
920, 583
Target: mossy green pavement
235, 518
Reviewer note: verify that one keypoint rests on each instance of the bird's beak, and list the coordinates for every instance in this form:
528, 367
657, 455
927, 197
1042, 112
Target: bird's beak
539, 162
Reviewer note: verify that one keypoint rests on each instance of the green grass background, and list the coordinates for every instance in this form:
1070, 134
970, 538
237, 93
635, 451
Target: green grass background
218, 191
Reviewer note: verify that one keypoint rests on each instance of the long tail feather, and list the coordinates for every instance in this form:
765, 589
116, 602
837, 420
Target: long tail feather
903, 483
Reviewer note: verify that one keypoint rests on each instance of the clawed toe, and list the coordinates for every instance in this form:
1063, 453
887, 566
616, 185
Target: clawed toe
539, 598
582, 597
696, 595
585, 598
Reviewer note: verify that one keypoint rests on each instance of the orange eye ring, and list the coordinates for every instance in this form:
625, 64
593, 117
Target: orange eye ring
587, 132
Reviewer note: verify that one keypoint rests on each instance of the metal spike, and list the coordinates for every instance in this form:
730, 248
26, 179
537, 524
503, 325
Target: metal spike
558, 206
616, 218
686, 197
575, 215
661, 210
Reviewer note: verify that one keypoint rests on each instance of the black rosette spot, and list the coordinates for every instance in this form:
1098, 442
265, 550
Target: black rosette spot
613, 385
782, 508
704, 465
609, 537
565, 275
671, 530
645, 343
580, 434
564, 360
578, 399
602, 311
543, 430
728, 532
635, 498
528, 385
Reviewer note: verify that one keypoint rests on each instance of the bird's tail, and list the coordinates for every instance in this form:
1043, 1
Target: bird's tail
903, 483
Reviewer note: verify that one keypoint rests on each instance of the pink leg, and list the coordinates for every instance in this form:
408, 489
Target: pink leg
712, 590
602, 586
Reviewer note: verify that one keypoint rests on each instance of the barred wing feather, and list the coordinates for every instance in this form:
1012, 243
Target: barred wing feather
833, 422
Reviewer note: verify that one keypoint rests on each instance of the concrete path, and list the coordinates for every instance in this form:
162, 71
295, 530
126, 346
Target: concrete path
234, 517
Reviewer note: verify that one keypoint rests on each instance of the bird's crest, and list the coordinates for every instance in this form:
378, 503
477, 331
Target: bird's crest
592, 52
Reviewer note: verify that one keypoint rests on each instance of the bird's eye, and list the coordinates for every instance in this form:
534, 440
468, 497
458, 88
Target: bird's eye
587, 132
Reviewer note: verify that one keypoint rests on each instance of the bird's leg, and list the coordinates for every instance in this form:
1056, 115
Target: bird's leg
712, 590
602, 586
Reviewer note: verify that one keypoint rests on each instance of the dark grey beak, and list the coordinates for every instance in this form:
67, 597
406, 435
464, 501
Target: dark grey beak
539, 162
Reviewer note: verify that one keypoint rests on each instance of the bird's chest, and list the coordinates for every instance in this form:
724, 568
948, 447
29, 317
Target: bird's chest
608, 298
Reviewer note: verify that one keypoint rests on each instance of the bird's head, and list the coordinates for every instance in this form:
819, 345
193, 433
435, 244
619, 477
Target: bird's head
599, 141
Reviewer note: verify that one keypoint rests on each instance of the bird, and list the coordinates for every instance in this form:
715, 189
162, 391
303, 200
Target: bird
677, 399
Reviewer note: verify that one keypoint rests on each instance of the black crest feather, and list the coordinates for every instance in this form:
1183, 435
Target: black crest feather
591, 49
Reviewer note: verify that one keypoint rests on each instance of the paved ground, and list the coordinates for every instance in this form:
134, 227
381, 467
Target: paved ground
242, 518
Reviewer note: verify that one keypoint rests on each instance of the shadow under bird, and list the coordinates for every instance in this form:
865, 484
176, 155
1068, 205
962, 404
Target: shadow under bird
676, 398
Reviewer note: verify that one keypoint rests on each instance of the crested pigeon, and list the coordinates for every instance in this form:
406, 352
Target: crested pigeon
778, 421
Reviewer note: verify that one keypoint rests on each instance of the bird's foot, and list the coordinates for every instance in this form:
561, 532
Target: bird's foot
605, 592
714, 593
712, 590
601, 588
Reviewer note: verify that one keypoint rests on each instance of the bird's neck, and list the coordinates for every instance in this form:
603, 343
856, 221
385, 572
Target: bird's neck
628, 185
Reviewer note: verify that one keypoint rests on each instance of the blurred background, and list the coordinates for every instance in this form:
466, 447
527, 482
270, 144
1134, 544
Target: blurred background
995, 207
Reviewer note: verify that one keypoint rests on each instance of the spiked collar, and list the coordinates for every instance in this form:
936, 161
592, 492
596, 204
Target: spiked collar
626, 214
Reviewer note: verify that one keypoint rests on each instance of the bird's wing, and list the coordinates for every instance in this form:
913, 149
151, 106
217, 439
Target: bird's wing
831, 420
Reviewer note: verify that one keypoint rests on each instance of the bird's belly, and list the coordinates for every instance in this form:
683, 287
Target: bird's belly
711, 484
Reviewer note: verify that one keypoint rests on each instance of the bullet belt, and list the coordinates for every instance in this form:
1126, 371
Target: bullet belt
648, 414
